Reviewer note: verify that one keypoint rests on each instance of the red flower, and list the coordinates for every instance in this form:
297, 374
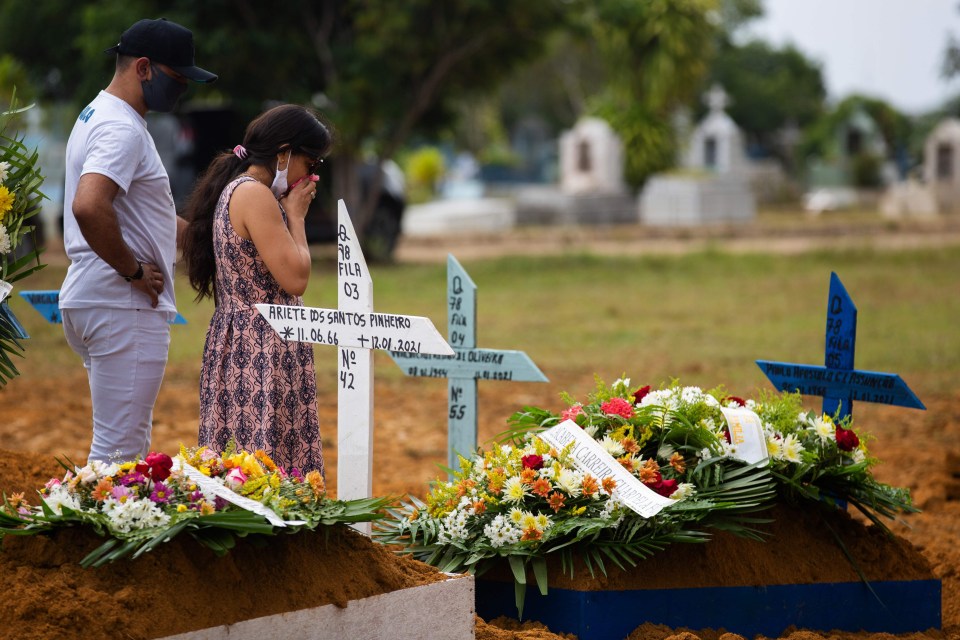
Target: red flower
157, 466
640, 394
617, 407
532, 462
665, 487
847, 440
740, 402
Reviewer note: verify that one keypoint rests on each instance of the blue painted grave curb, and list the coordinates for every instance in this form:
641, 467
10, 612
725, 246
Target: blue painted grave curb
898, 607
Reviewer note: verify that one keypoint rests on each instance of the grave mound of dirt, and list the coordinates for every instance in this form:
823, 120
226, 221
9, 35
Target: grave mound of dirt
182, 586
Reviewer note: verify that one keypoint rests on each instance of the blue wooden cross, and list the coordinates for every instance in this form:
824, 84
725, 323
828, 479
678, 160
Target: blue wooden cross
838, 383
7, 318
47, 304
467, 366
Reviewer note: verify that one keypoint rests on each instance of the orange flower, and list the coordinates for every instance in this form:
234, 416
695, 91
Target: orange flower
627, 462
676, 461
609, 484
556, 501
265, 460
590, 485
316, 483
650, 471
413, 515
527, 476
479, 507
541, 487
630, 445
16, 501
531, 534
464, 486
103, 489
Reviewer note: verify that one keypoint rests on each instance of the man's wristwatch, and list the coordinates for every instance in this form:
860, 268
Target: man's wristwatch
136, 276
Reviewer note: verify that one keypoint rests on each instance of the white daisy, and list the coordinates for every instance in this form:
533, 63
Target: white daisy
823, 427
514, 490
611, 446
684, 490
791, 449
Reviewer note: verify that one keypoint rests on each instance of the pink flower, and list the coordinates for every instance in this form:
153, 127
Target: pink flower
847, 440
532, 462
572, 412
161, 493
120, 494
617, 407
235, 477
51, 483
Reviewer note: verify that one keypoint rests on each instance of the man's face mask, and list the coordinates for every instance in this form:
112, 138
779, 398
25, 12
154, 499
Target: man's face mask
161, 92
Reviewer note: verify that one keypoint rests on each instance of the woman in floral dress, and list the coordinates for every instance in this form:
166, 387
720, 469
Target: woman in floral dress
246, 244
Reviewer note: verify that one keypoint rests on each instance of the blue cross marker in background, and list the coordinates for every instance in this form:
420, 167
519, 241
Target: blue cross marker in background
47, 304
468, 365
838, 383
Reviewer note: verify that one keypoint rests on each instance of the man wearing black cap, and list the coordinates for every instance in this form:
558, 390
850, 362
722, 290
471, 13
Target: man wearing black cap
120, 233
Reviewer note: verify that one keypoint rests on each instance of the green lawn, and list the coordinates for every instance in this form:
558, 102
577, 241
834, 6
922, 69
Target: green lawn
703, 317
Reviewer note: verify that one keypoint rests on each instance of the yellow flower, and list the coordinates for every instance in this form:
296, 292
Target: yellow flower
6, 202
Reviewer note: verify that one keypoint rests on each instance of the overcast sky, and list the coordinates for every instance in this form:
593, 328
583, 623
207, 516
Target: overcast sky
891, 49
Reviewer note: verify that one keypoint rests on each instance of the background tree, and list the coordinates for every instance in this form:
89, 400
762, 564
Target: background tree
631, 62
769, 88
379, 73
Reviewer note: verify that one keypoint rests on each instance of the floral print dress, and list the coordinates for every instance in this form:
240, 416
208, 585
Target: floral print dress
255, 387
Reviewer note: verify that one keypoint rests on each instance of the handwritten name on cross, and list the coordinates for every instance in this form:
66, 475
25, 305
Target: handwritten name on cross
356, 330
47, 304
468, 365
838, 382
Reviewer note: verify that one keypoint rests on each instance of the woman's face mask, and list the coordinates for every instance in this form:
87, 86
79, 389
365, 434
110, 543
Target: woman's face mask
161, 92
279, 186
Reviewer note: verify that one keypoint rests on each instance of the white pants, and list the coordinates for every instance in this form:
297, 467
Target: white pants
125, 353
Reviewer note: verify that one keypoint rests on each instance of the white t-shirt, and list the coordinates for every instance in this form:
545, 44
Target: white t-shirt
111, 139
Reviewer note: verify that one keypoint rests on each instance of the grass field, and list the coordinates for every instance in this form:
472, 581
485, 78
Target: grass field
702, 317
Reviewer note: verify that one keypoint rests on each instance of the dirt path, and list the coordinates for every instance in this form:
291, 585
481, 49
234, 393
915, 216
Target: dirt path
770, 234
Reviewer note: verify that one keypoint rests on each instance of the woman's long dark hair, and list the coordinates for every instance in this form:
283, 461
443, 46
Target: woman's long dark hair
287, 125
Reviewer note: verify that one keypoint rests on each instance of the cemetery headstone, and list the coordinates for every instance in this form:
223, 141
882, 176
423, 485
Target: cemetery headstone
356, 330
838, 382
592, 189
467, 365
712, 185
941, 165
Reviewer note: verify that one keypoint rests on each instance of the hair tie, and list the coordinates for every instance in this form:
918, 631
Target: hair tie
240, 151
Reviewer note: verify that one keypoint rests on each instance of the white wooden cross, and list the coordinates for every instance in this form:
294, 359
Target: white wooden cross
356, 330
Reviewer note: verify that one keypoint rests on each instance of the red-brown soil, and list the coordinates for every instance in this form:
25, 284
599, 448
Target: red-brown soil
918, 450
46, 416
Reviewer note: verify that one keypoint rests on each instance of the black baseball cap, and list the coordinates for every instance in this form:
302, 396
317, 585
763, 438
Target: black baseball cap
164, 42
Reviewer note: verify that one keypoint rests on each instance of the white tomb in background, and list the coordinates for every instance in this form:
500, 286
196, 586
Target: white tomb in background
941, 165
591, 159
592, 189
713, 185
